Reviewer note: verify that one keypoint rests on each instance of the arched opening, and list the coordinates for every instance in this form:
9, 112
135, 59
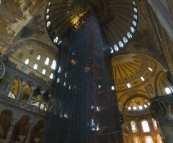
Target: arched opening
133, 126
145, 126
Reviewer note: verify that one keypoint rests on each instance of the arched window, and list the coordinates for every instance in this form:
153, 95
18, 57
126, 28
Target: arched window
145, 126
134, 23
136, 140
121, 44
44, 71
133, 126
51, 76
148, 139
47, 61
35, 67
125, 40
129, 35
38, 57
155, 124
116, 48
53, 66
27, 61
132, 29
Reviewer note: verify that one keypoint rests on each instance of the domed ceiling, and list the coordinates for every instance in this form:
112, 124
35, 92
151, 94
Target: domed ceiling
132, 70
118, 19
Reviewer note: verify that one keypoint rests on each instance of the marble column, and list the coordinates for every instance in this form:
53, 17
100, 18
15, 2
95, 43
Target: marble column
20, 91
10, 132
31, 95
28, 138
42, 92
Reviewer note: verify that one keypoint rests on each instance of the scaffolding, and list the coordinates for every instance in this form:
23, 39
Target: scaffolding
84, 106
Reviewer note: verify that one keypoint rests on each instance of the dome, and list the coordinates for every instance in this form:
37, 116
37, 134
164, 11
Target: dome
118, 19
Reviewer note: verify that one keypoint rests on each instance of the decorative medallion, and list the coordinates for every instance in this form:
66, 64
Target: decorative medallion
158, 110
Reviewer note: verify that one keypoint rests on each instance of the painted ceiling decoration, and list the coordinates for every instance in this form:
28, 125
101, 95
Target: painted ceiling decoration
118, 19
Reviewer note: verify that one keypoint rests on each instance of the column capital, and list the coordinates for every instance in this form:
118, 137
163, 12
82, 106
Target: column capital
33, 88
13, 121
42, 92
23, 83
31, 125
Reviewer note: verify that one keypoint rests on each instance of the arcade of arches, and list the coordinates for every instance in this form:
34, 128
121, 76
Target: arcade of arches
142, 66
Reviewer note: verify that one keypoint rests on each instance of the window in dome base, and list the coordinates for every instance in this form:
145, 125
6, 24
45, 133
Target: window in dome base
27, 61
35, 67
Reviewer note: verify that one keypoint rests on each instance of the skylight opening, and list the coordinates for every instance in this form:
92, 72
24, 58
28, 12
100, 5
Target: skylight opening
168, 90
134, 108
135, 16
112, 87
65, 75
150, 69
55, 40
129, 35
142, 78
132, 29
47, 61
48, 23
53, 66
145, 106
134, 3
111, 50
47, 17
27, 61
47, 11
135, 10
49, 3
116, 48
38, 57
140, 107
51, 76
129, 108
134, 23
125, 40
121, 44
128, 85
99, 86
44, 71
64, 84
35, 67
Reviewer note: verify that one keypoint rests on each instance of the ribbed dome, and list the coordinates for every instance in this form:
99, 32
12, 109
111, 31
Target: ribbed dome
118, 19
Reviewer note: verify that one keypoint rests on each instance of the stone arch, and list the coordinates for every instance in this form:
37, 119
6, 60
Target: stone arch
38, 130
161, 83
129, 95
5, 118
21, 128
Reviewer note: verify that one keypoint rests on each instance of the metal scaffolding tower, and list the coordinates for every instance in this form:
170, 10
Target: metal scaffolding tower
84, 106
